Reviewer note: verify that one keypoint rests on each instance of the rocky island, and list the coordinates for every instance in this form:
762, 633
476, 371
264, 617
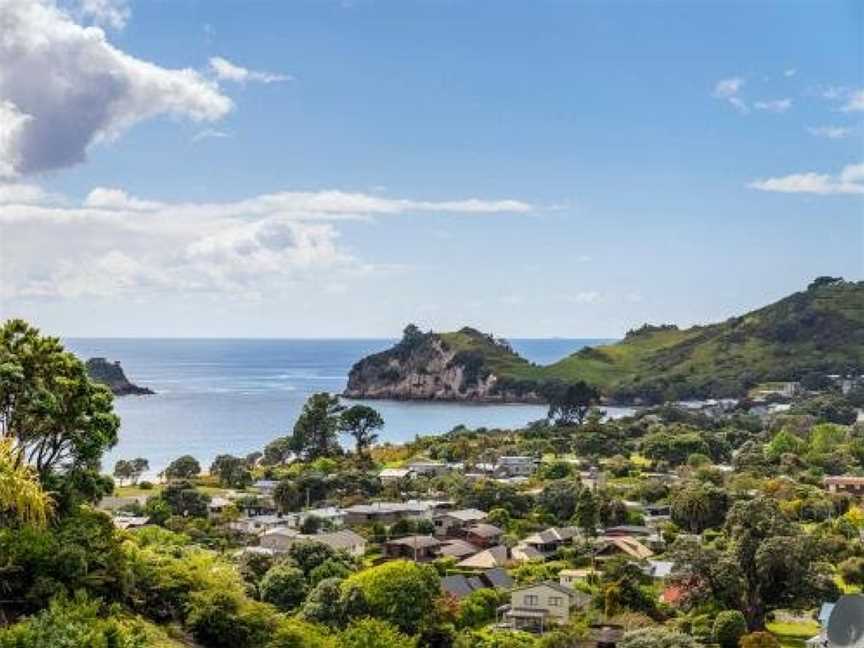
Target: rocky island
819, 330
111, 375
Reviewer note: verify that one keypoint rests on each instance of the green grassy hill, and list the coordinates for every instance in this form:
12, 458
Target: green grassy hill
818, 330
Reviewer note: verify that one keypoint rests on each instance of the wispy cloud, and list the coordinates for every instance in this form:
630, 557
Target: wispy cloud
790, 72
728, 90
830, 132
225, 70
849, 181
854, 102
774, 105
210, 133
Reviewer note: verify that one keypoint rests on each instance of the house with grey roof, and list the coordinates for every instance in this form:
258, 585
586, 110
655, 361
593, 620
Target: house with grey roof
454, 523
418, 548
539, 606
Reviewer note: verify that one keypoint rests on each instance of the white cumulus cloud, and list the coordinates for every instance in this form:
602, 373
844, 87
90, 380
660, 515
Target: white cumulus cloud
63, 86
849, 181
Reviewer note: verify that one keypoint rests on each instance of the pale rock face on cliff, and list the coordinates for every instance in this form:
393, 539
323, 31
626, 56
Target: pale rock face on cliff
429, 370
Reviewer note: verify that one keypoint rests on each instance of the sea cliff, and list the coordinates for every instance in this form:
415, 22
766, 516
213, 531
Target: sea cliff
111, 375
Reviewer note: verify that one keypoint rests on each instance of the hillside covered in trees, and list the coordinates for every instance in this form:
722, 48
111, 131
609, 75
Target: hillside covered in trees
817, 331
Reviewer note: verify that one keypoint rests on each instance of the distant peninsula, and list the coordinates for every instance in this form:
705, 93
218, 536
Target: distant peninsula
819, 330
111, 375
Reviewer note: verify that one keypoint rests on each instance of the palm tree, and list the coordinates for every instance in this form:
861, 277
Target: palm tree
21, 495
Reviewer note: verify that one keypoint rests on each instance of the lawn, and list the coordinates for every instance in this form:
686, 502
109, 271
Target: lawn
793, 634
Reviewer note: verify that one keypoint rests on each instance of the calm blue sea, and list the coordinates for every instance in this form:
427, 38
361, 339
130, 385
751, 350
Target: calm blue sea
234, 396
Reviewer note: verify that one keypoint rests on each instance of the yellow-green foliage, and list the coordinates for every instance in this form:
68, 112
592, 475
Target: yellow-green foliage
21, 494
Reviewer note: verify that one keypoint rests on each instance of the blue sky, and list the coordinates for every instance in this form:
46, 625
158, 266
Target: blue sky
662, 161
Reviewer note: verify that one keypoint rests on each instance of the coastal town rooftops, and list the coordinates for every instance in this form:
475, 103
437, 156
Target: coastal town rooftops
552, 535
843, 479
466, 515
458, 548
389, 507
493, 557
627, 545
416, 542
547, 583
394, 473
485, 530
342, 539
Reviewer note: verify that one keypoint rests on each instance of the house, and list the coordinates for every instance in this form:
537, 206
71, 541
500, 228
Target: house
497, 556
253, 524
331, 516
592, 479
547, 542
418, 548
569, 577
628, 530
387, 512
266, 486
542, 605
428, 468
217, 506
484, 535
460, 585
280, 540
515, 466
457, 548
845, 484
611, 546
524, 553
124, 522
658, 569
453, 523
391, 475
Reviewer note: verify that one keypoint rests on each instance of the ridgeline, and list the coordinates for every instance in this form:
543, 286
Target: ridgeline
816, 331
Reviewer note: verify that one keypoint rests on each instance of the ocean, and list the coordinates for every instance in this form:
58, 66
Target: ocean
235, 395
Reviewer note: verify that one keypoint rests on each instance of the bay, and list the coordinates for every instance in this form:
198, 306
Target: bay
217, 396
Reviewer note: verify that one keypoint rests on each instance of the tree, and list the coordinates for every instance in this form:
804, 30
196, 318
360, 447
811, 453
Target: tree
315, 432
478, 608
277, 451
21, 496
311, 525
698, 506
324, 605
569, 403
586, 512
55, 415
284, 586
139, 466
184, 500
123, 470
374, 633
729, 627
185, 467
852, 571
559, 498
286, 495
399, 591
361, 421
231, 471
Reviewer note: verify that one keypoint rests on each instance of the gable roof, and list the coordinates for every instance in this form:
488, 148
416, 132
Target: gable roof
547, 583
458, 548
485, 530
457, 585
497, 578
630, 546
466, 515
552, 534
492, 557
415, 542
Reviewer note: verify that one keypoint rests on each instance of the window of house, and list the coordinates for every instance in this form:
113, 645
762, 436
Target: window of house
530, 600
555, 601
